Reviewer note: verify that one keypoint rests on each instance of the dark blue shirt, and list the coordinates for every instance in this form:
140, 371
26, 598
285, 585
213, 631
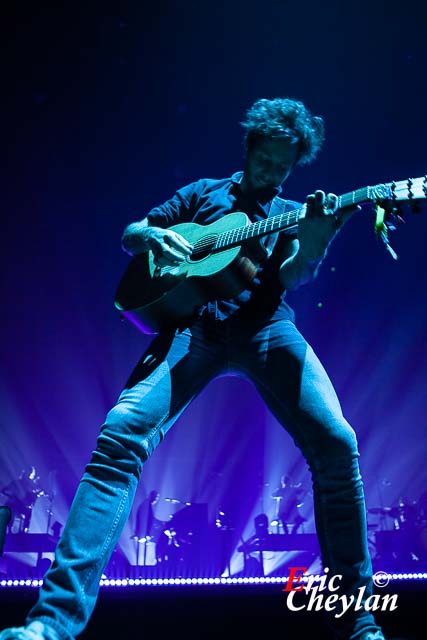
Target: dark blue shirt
207, 200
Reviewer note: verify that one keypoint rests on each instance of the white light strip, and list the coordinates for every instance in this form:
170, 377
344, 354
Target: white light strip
164, 582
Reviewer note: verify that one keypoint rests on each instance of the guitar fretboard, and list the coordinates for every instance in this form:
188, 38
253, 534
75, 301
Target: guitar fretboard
282, 221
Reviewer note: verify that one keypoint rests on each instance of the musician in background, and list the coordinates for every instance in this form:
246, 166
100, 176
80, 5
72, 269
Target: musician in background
290, 497
253, 333
147, 526
21, 494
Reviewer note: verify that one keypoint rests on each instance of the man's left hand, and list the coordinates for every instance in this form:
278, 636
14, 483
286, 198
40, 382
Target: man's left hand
320, 224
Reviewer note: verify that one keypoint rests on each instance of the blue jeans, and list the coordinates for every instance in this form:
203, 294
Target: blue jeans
174, 369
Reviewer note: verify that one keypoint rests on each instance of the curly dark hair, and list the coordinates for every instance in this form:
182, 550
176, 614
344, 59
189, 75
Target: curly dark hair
284, 118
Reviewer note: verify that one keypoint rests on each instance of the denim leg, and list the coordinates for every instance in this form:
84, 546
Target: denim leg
299, 393
155, 395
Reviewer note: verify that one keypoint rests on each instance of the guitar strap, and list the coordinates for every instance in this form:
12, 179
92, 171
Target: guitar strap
278, 206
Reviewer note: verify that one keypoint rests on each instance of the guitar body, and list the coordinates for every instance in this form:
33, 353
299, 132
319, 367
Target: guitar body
156, 299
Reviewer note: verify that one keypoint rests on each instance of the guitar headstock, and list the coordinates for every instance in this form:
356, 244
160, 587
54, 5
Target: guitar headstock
393, 194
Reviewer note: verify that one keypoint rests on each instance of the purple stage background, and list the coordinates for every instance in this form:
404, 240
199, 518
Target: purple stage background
105, 114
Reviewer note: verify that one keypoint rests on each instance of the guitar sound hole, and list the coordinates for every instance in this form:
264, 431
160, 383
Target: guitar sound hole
203, 248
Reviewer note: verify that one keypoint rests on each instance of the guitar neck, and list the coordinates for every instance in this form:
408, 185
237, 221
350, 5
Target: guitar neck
284, 221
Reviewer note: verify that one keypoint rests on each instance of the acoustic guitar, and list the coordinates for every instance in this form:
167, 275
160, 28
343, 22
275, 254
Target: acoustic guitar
223, 262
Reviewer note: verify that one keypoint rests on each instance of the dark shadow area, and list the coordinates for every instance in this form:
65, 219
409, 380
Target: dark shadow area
229, 612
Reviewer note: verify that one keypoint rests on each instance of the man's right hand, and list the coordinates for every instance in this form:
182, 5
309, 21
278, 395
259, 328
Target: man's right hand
168, 247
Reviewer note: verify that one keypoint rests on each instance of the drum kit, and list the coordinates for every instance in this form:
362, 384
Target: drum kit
178, 538
173, 540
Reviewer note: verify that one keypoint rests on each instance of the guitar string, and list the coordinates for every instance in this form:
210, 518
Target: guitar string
262, 226
235, 236
267, 226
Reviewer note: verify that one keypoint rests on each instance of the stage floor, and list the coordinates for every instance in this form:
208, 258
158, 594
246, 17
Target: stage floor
234, 612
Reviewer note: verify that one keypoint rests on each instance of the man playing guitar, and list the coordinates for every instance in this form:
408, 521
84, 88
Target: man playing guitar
252, 333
